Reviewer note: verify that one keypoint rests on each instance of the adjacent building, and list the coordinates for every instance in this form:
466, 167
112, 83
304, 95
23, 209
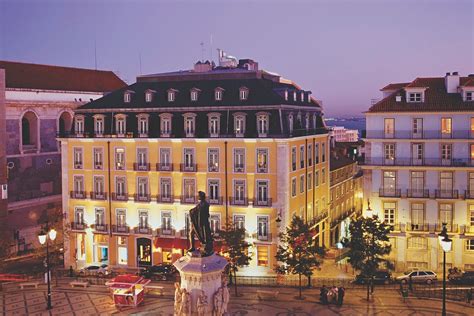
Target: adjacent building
136, 158
342, 134
419, 168
37, 102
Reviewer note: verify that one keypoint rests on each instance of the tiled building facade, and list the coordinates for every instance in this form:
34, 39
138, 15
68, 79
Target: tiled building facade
136, 158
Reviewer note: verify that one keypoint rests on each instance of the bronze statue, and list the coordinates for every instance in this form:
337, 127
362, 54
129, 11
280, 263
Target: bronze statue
200, 227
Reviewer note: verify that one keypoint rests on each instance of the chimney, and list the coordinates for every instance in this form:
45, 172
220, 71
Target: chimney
203, 66
451, 82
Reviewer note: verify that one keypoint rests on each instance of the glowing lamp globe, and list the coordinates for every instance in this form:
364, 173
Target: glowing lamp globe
52, 234
446, 243
42, 237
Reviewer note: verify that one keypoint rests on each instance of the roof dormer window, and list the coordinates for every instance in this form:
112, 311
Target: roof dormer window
294, 95
302, 96
290, 123
469, 96
243, 93
194, 94
79, 125
148, 96
218, 94
286, 95
127, 96
414, 97
189, 124
172, 95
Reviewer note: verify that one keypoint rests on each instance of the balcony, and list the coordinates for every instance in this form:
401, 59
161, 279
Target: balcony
397, 227
418, 227
165, 198
166, 231
238, 201
120, 229
78, 226
263, 237
120, 196
239, 167
262, 202
218, 200
183, 233
418, 193
430, 134
141, 166
185, 199
469, 194
143, 230
387, 192
446, 194
98, 195
164, 167
78, 194
100, 228
452, 228
188, 167
467, 230
430, 162
146, 198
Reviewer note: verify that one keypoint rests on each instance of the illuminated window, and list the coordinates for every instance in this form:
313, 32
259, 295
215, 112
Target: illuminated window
293, 187
119, 158
213, 159
389, 212
389, 153
389, 127
472, 153
446, 126
262, 160
262, 256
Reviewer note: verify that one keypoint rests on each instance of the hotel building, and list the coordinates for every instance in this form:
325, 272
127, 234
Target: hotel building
136, 158
419, 168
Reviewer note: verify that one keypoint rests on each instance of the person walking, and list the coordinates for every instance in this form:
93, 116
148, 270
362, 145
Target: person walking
323, 295
340, 295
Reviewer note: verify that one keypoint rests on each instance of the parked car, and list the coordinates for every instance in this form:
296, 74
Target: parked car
380, 277
96, 270
418, 276
466, 278
163, 271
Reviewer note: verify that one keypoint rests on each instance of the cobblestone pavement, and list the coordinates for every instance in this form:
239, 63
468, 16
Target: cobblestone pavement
96, 301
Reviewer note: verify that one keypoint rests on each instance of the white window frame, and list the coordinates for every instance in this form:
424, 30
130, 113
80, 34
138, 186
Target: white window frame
264, 152
79, 125
243, 93
165, 125
213, 160
239, 124
239, 160
263, 124
143, 125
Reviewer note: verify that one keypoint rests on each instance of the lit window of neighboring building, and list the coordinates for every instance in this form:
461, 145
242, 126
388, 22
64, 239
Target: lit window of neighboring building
120, 158
262, 256
293, 187
446, 127
262, 160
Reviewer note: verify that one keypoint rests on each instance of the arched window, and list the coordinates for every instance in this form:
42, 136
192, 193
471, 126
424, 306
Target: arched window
218, 94
64, 123
29, 129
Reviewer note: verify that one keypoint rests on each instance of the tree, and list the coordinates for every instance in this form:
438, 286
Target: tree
235, 248
368, 246
298, 251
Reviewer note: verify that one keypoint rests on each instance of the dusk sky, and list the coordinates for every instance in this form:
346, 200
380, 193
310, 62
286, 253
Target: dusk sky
343, 51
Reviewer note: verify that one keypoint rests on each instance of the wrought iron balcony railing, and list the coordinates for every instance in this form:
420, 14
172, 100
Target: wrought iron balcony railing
141, 166
98, 195
78, 195
164, 167
238, 201
262, 202
120, 229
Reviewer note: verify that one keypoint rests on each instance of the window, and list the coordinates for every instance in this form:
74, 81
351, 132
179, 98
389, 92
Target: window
189, 164
243, 93
417, 216
99, 187
417, 243
239, 125
120, 125
446, 150
79, 216
414, 97
446, 127
165, 159
294, 95
469, 244
142, 187
417, 130
293, 158
171, 95
213, 159
417, 183
286, 95
142, 219
470, 184
214, 125
262, 160
99, 216
213, 189
262, 192
194, 94
98, 158
165, 122
310, 155
189, 124
389, 153
389, 182
290, 123
323, 175
446, 214
165, 189
142, 159
262, 124
446, 183
239, 190
218, 94
306, 120
316, 153
239, 160
262, 256
471, 147
79, 185
316, 178
417, 153
99, 125
166, 227
302, 156
310, 182
148, 96
120, 187
262, 227
143, 125
323, 152
302, 183
122, 253
469, 96
471, 214
239, 221
78, 158
215, 223
119, 158
189, 190
79, 124
121, 217
389, 127
127, 97
293, 187
389, 212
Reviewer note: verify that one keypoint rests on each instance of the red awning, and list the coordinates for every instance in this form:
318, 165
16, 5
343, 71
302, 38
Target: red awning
177, 243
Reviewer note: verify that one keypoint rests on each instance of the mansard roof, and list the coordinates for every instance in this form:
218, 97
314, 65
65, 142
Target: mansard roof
46, 77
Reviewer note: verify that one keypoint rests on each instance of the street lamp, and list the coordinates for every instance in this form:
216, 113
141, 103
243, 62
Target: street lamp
44, 238
445, 244
369, 212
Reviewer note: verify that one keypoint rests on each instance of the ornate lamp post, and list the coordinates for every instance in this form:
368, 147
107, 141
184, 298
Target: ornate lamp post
44, 238
446, 245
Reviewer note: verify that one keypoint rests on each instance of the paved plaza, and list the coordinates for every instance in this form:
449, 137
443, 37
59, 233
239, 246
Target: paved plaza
96, 301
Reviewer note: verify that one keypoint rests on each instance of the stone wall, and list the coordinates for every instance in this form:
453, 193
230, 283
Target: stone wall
13, 137
48, 135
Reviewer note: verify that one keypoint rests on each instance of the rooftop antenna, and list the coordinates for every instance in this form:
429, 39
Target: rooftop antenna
202, 51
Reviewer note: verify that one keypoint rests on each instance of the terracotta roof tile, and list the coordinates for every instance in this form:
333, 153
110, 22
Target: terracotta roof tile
47, 77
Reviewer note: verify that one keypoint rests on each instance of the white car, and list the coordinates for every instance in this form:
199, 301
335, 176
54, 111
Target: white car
418, 276
97, 270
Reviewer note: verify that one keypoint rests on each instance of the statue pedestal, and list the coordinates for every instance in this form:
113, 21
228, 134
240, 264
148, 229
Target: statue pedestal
201, 274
